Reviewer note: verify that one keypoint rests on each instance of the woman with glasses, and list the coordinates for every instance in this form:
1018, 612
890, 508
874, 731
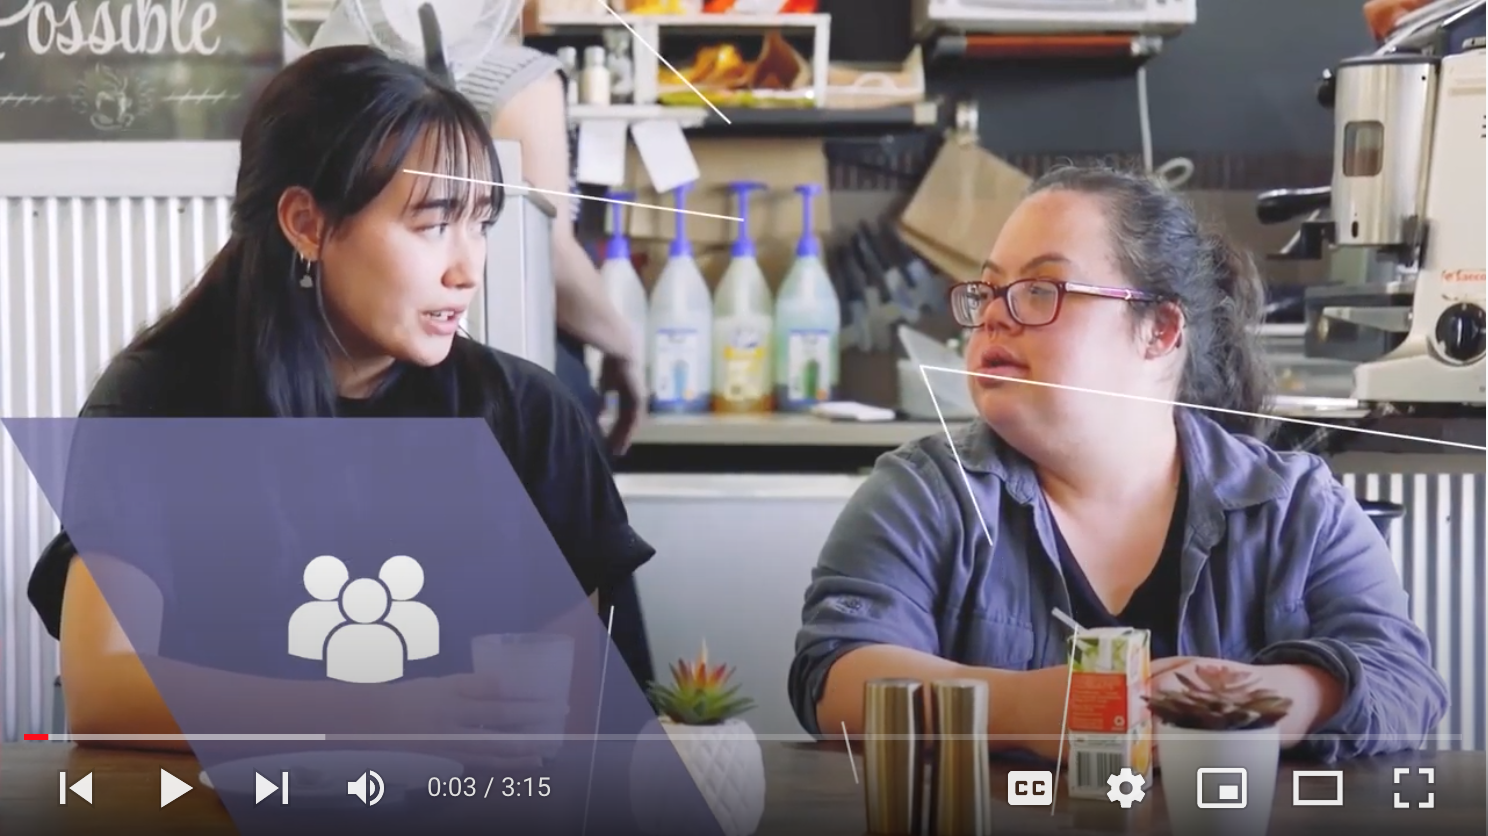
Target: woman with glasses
1118, 474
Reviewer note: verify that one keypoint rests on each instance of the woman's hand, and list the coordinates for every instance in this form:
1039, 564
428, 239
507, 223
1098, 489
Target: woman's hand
1315, 695
1034, 712
625, 377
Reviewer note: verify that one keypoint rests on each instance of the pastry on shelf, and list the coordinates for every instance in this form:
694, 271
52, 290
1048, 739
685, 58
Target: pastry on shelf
662, 7
780, 77
777, 7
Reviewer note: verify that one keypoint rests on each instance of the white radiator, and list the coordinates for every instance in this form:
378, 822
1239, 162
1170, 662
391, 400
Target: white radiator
96, 240
1439, 552
77, 280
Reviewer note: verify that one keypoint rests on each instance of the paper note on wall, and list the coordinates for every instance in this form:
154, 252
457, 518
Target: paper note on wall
601, 152
665, 154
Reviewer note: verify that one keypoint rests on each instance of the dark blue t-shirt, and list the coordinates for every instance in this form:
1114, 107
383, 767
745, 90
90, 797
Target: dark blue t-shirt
230, 525
1153, 606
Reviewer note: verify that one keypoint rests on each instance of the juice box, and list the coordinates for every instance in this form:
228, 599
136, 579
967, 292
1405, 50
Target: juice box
1108, 724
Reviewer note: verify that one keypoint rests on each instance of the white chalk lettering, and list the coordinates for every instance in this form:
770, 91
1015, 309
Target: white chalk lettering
130, 27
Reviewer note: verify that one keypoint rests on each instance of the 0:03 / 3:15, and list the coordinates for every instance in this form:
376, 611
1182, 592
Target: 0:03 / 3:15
470, 787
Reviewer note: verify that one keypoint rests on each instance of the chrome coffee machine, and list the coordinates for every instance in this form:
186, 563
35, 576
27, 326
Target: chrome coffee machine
1409, 188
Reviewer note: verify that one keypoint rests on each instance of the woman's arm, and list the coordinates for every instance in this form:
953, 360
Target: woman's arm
1388, 696
105, 685
537, 119
108, 688
872, 611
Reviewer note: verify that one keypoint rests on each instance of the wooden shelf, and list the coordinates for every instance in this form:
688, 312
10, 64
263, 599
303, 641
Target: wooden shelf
771, 121
961, 46
690, 117
683, 23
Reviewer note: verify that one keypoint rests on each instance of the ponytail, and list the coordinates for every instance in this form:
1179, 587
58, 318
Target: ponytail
1238, 377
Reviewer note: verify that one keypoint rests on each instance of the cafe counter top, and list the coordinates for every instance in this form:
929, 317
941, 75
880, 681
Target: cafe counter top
812, 790
715, 443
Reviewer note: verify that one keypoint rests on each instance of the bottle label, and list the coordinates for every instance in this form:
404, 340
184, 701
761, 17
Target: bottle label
674, 371
744, 365
808, 364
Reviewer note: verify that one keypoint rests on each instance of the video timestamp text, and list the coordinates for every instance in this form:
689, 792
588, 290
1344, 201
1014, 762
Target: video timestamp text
493, 787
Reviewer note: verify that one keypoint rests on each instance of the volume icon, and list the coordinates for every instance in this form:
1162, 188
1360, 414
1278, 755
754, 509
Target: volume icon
368, 788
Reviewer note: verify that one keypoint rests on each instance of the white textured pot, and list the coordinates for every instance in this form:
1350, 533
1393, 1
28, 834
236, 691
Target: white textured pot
1197, 766
724, 761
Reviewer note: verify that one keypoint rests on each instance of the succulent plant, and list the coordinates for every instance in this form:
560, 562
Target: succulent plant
698, 695
1222, 699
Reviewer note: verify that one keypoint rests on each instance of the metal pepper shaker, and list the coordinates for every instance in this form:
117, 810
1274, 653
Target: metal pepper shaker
894, 757
961, 797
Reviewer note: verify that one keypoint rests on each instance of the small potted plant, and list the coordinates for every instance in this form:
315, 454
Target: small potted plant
1218, 748
1219, 699
699, 713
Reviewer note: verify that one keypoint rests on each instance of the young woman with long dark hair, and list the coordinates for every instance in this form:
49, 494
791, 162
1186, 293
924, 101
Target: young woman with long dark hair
338, 293
521, 91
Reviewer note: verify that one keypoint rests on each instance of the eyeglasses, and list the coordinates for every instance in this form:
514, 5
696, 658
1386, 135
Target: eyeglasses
1031, 302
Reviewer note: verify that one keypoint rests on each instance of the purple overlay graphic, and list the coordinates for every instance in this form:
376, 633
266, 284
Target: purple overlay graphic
384, 583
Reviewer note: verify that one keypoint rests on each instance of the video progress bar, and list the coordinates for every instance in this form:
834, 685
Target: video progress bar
153, 738
495, 737
499, 737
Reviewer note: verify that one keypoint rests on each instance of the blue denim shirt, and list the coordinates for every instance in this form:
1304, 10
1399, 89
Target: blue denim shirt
1280, 565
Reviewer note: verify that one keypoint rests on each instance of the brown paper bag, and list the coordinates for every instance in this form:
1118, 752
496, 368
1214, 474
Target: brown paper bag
960, 207
955, 266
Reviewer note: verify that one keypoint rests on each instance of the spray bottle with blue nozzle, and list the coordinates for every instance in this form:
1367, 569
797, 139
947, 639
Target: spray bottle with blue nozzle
681, 328
622, 284
808, 323
743, 315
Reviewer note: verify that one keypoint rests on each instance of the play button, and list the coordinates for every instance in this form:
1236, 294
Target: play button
171, 788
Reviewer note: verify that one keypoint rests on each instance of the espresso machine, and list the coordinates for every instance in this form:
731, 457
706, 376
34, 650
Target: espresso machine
1408, 189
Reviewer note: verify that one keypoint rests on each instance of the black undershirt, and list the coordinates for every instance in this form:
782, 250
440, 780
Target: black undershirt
1154, 605
547, 436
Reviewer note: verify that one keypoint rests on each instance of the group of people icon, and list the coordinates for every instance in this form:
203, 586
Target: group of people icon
365, 630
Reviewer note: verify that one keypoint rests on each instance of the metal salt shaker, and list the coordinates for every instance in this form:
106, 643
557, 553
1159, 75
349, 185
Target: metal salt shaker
893, 756
961, 799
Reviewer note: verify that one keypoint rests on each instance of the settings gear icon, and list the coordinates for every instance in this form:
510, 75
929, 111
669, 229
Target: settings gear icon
1126, 778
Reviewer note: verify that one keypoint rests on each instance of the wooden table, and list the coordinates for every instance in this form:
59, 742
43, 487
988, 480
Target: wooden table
812, 790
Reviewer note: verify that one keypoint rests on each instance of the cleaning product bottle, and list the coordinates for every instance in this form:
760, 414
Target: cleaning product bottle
743, 312
623, 285
681, 329
808, 323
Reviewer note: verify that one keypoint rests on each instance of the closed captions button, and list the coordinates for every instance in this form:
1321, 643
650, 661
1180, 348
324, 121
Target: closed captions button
1030, 789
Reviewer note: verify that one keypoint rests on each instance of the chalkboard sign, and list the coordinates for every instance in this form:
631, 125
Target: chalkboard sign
134, 70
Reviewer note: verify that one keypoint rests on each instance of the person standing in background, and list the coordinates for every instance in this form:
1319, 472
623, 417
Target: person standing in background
524, 92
